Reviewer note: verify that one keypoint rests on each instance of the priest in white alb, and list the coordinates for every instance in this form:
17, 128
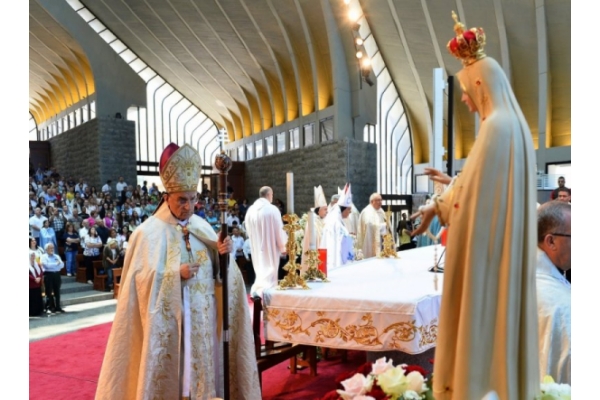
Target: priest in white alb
321, 212
267, 240
371, 227
336, 238
165, 341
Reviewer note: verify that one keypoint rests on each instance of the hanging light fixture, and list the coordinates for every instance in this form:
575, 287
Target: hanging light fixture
359, 54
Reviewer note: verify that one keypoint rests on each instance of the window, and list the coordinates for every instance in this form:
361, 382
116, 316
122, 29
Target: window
294, 138
281, 142
326, 129
269, 145
240, 152
309, 134
258, 148
249, 151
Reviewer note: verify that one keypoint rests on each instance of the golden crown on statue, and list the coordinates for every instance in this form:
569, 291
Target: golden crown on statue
468, 45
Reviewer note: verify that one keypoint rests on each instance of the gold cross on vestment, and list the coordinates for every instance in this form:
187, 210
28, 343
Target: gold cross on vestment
201, 256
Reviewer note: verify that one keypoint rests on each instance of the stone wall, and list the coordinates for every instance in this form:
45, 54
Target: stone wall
330, 164
98, 150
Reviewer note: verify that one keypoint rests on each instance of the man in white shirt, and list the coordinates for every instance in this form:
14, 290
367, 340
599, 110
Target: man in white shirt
238, 243
36, 222
232, 217
121, 185
106, 188
80, 187
265, 228
83, 232
553, 290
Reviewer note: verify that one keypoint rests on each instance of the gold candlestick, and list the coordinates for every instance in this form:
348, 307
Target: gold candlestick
292, 280
313, 272
389, 246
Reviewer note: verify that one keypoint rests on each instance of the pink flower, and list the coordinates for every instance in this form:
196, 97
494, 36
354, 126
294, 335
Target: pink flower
355, 386
380, 366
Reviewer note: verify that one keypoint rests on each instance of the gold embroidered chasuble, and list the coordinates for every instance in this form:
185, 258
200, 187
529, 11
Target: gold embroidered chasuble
166, 335
371, 226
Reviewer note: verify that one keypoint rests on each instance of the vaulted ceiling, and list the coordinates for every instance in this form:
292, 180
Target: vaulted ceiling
59, 72
254, 64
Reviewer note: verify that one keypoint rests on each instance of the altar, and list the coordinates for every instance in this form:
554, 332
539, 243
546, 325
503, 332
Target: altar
372, 305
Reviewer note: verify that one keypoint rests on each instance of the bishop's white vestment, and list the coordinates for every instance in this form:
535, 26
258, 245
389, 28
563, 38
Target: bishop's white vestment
371, 226
554, 320
336, 239
166, 336
267, 241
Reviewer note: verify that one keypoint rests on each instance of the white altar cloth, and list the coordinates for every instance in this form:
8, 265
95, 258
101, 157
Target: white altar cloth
372, 305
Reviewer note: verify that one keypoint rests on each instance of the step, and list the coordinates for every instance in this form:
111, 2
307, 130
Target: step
86, 296
76, 316
73, 287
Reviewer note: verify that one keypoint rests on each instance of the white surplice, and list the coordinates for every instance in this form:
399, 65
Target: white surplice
554, 318
267, 241
371, 226
336, 239
165, 339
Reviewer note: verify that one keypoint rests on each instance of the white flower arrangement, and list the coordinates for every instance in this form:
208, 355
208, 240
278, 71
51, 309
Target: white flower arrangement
398, 383
403, 382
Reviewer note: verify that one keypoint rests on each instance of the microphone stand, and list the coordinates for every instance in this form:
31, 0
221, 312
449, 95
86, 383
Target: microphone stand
223, 164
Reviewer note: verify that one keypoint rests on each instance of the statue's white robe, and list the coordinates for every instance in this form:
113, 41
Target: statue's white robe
488, 334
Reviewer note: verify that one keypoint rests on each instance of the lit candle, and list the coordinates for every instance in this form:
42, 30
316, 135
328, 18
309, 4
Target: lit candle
290, 192
311, 231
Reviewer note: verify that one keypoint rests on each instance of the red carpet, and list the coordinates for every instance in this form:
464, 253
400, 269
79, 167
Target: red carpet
66, 367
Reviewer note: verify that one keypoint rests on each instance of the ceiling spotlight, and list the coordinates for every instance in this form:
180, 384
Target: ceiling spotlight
359, 41
353, 15
346, 2
366, 63
359, 54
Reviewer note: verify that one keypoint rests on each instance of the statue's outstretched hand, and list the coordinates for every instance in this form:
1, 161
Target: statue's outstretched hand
437, 176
